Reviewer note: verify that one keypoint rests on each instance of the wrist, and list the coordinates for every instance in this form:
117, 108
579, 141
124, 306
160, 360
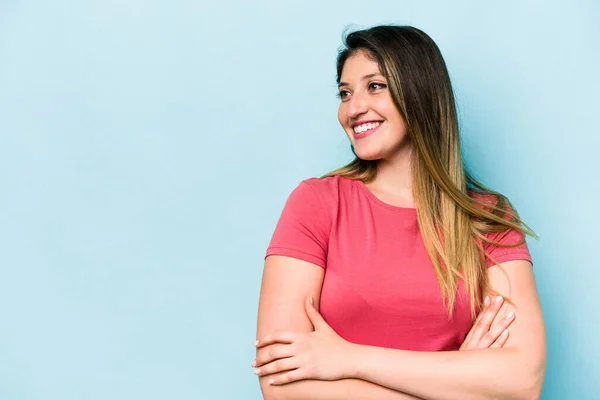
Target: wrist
352, 361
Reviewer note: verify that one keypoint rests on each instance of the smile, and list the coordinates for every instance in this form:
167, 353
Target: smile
364, 130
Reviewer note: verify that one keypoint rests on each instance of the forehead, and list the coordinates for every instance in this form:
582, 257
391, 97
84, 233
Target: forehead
358, 65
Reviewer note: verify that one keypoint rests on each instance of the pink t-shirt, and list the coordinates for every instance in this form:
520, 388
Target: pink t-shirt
380, 287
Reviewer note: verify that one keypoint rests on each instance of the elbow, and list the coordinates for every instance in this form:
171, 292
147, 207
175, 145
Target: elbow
527, 376
522, 378
520, 389
533, 388
523, 392
531, 384
529, 392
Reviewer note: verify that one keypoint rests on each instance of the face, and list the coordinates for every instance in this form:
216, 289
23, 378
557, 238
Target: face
367, 112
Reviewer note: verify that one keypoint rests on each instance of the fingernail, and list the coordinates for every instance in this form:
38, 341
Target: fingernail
257, 371
271, 381
510, 315
504, 333
256, 343
310, 299
486, 301
498, 299
253, 364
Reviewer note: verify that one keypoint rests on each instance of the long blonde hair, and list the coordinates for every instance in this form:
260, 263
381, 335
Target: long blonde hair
453, 223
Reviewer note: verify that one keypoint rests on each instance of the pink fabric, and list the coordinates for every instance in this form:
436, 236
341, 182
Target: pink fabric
380, 287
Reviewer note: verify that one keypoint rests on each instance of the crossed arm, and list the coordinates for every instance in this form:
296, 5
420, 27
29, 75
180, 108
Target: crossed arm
514, 371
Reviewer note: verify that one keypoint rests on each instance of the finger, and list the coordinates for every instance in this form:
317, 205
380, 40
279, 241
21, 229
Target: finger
289, 377
273, 352
483, 326
272, 377
468, 342
315, 318
276, 337
497, 329
484, 308
282, 365
501, 340
465, 343
488, 318
486, 304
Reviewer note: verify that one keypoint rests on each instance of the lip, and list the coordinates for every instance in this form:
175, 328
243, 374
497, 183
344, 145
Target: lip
367, 133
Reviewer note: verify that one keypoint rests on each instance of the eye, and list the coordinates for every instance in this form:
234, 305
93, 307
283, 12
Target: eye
377, 86
342, 94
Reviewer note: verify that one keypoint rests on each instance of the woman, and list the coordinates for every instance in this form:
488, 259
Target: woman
400, 249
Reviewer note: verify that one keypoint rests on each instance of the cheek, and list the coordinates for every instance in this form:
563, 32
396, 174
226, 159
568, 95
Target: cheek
396, 118
343, 115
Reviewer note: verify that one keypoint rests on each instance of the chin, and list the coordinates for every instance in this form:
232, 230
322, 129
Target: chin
368, 155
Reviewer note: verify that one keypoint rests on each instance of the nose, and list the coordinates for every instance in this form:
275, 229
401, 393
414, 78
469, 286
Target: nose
357, 105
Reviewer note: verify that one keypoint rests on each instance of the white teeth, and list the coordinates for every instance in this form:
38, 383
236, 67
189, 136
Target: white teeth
365, 127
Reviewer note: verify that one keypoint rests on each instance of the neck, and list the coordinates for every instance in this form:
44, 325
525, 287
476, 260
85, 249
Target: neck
394, 175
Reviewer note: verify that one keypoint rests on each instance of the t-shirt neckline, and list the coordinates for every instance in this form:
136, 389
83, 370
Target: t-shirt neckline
377, 201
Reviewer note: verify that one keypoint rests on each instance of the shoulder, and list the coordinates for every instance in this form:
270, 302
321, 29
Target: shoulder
487, 202
326, 184
484, 199
317, 199
328, 190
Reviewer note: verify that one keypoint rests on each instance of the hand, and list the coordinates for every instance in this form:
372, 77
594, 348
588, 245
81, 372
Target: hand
482, 335
306, 355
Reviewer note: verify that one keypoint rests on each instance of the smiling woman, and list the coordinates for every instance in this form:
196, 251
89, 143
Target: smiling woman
398, 269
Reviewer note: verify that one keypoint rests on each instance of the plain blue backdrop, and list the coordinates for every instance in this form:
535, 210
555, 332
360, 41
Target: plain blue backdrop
147, 149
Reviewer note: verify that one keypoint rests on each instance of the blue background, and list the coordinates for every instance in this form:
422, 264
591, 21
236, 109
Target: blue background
147, 149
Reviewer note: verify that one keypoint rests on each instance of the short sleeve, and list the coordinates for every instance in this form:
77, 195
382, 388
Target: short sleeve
502, 254
303, 228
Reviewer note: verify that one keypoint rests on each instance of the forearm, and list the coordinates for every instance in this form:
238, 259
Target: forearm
345, 389
474, 374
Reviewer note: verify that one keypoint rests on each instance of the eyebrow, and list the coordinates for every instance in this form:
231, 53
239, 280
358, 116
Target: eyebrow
364, 78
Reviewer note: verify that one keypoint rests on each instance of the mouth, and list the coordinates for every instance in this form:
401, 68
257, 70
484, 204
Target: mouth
366, 129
